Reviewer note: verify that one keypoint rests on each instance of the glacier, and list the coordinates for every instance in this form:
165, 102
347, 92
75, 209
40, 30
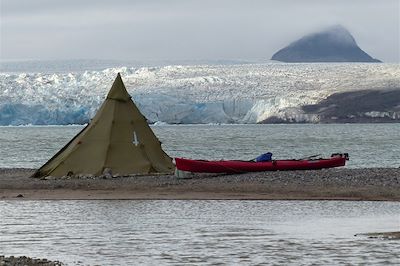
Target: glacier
175, 94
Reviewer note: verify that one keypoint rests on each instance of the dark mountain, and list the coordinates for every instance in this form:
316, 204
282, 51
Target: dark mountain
335, 44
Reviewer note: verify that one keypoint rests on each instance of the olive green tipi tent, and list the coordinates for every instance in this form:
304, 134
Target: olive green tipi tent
118, 140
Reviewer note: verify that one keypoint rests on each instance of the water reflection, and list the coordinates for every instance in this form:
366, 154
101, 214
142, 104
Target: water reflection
199, 232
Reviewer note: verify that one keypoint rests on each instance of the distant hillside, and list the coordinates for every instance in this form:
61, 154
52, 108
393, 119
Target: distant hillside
362, 106
335, 44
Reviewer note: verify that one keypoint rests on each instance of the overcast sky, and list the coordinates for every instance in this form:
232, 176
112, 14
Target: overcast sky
187, 29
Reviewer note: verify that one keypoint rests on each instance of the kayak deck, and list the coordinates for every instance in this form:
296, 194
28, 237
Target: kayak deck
237, 166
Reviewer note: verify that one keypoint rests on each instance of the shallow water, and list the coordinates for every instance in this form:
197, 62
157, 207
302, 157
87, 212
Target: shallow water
369, 145
202, 232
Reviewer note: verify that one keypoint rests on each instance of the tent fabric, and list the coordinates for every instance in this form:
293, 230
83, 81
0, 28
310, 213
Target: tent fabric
117, 140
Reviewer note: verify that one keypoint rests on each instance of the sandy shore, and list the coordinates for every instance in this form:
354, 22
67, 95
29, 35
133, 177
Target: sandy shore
330, 184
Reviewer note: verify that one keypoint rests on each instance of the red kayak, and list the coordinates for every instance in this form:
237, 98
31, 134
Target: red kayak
235, 166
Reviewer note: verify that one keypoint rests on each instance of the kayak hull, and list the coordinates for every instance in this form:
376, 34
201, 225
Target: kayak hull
236, 166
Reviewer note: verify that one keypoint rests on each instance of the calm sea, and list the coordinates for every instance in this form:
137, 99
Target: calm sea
111, 232
369, 145
200, 232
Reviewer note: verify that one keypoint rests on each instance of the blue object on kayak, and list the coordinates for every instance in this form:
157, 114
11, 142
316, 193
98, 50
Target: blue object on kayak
266, 157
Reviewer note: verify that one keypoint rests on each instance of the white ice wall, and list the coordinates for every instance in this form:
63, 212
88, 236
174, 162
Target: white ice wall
189, 94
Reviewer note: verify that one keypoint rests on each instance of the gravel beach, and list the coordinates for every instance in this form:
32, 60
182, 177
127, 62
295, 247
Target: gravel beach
27, 261
329, 184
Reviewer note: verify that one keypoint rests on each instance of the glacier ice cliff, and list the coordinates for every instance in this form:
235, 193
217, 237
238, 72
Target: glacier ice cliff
199, 94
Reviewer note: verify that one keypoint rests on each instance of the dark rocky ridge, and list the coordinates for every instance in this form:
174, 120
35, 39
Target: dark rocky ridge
364, 106
335, 44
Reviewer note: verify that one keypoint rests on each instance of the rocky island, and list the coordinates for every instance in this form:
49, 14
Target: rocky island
334, 44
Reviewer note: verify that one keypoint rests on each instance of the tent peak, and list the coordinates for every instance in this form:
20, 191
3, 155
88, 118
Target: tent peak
118, 91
